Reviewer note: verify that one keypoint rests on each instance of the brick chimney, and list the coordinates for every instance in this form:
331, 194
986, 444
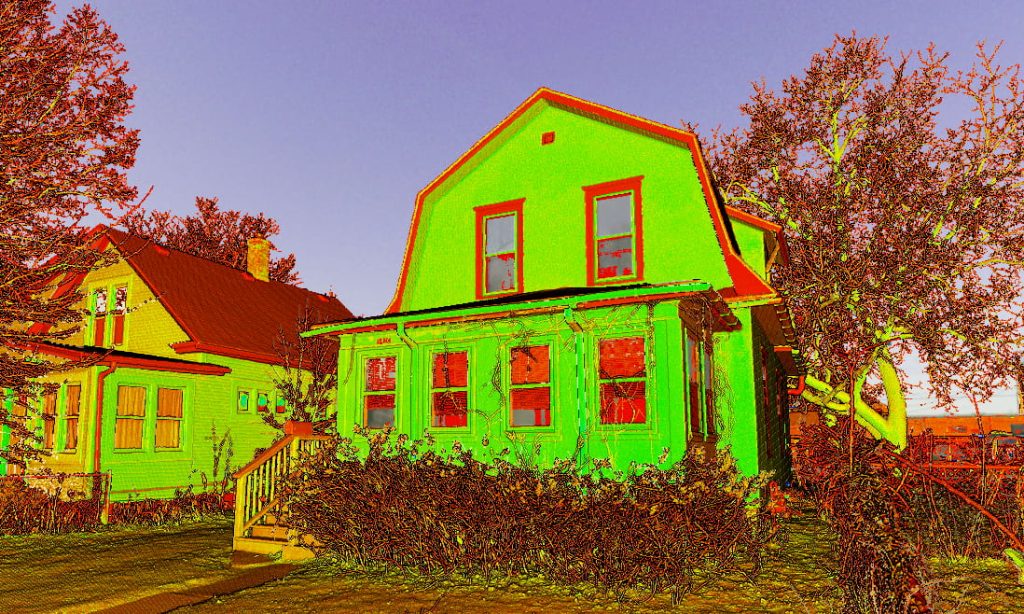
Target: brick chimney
258, 258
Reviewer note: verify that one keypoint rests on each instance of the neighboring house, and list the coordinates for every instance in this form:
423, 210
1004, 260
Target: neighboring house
184, 350
574, 288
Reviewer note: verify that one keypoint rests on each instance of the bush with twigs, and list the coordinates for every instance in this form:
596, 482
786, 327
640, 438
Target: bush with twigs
402, 504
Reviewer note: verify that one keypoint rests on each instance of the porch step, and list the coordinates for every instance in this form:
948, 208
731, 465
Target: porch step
270, 532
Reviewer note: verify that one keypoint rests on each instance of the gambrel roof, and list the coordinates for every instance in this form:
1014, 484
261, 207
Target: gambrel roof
746, 285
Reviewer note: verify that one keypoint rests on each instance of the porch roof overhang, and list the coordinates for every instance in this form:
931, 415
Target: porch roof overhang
544, 301
98, 356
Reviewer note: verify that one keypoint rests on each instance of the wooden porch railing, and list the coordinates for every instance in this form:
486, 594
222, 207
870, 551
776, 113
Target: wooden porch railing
258, 508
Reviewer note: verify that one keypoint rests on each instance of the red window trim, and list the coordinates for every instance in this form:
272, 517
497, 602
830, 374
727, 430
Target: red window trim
530, 386
592, 193
367, 393
432, 390
607, 378
482, 213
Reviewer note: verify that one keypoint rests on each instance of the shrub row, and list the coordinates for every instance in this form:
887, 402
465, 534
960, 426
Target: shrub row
404, 505
25, 509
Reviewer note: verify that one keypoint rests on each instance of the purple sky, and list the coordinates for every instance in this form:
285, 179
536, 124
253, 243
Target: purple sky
330, 116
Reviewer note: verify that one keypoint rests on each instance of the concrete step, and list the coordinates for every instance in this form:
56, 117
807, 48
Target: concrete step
271, 548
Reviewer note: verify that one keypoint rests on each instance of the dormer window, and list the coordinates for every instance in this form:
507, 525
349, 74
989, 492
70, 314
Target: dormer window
499, 249
120, 308
614, 232
99, 312
112, 302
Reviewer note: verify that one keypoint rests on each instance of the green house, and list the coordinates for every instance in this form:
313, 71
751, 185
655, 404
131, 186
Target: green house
574, 288
184, 352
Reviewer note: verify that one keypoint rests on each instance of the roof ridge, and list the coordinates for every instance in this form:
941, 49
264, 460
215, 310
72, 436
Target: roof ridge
154, 242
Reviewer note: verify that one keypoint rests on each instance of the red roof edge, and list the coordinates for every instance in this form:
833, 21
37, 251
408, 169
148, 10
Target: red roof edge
191, 347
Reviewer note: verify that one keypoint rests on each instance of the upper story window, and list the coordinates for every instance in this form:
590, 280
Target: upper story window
99, 312
120, 308
499, 249
614, 232
102, 306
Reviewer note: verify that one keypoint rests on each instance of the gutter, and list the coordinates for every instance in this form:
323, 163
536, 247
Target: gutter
400, 331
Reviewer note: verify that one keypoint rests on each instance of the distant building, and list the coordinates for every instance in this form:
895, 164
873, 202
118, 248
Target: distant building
184, 347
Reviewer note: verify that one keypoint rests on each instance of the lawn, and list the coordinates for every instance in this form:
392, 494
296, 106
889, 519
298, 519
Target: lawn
798, 578
89, 572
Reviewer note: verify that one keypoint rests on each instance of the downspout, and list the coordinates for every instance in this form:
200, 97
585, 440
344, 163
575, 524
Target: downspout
413, 365
98, 439
400, 330
582, 443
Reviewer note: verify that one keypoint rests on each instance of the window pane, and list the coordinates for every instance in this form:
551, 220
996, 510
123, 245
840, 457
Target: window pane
531, 406
74, 400
101, 302
128, 433
243, 400
531, 365
623, 403
501, 234
380, 373
282, 406
120, 299
501, 273
615, 257
450, 370
168, 433
71, 439
131, 401
168, 403
262, 401
615, 215
450, 408
380, 410
49, 403
622, 357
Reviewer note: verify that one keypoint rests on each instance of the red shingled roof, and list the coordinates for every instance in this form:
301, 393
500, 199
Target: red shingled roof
223, 310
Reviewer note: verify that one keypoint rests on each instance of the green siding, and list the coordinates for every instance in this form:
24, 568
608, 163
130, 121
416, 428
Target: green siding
574, 384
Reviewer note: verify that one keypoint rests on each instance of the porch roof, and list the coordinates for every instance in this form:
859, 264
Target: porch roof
546, 300
107, 357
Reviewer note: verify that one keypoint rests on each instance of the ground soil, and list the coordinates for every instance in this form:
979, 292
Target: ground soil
121, 566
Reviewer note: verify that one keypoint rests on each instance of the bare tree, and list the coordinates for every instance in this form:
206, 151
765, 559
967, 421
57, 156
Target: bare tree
902, 235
